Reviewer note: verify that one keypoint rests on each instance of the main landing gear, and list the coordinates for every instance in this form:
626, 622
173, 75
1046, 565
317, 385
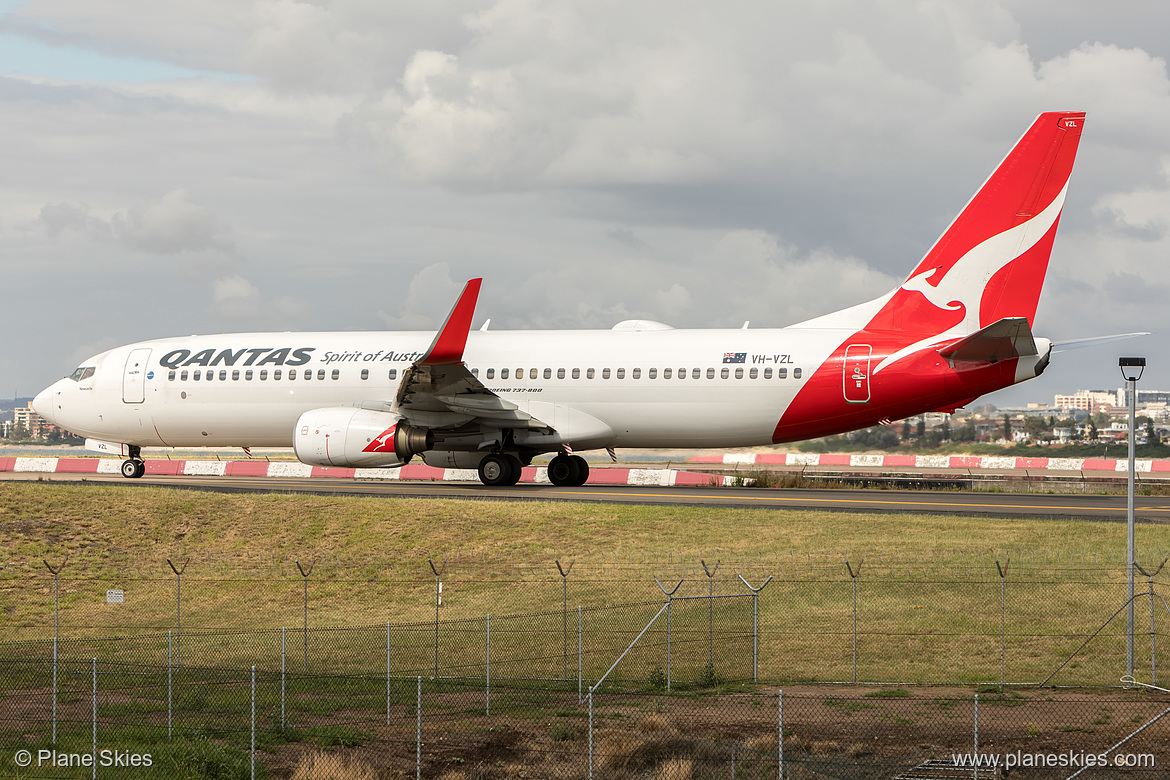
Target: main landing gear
500, 470
133, 467
568, 470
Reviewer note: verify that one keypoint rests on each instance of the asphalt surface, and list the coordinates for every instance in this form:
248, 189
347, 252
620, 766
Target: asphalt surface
1083, 507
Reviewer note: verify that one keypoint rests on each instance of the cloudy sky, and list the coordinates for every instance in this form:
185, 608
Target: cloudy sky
220, 165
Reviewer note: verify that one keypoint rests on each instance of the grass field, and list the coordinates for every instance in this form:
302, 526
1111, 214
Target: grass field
928, 604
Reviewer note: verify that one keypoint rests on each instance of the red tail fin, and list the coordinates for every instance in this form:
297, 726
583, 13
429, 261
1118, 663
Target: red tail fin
990, 263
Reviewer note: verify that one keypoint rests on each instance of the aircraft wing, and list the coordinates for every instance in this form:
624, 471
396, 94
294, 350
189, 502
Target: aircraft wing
439, 391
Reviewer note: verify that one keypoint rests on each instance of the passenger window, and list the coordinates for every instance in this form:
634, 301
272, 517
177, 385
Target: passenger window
223, 374
292, 373
576, 373
796, 373
696, 373
210, 376
365, 374
519, 373
248, 375
171, 376
754, 373
653, 373
767, 373
474, 373
666, 372
589, 373
263, 374
183, 375
336, 373
320, 373
532, 373
547, 373
393, 373
739, 373
276, 373
197, 375
491, 373
636, 373
621, 373
503, 373
605, 373
308, 373
560, 373
723, 373
782, 373
236, 375
710, 373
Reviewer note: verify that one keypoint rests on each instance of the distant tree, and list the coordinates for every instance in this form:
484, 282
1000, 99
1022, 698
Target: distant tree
967, 432
906, 430
1151, 434
1007, 427
945, 432
1092, 430
54, 437
920, 432
1037, 428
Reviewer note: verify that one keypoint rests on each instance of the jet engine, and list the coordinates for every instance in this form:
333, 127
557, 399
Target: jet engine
359, 438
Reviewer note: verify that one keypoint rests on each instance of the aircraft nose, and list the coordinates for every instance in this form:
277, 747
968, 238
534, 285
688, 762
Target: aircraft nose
42, 404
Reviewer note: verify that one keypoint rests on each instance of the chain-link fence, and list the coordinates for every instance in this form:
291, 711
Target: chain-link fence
117, 719
669, 668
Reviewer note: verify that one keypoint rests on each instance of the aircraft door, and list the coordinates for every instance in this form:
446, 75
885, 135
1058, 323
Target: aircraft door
856, 373
134, 380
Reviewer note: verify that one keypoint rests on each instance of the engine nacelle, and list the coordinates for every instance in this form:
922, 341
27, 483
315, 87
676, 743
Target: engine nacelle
357, 438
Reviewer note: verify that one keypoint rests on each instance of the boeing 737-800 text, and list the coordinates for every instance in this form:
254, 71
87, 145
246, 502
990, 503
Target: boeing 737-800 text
960, 326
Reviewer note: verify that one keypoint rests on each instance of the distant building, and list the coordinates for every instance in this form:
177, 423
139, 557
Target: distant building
32, 422
1090, 401
1143, 397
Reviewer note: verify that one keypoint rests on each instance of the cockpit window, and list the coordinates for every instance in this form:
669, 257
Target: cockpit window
84, 372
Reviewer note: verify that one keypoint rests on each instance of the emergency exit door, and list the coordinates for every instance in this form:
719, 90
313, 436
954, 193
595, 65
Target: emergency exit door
134, 380
856, 373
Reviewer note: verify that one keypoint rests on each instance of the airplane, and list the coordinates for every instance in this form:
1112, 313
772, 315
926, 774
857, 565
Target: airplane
959, 327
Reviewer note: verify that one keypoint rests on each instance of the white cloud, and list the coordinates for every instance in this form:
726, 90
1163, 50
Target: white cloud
171, 224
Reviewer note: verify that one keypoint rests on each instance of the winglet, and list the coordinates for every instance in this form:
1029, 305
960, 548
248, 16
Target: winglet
447, 348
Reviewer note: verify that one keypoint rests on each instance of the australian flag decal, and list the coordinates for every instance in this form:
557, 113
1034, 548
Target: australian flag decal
734, 357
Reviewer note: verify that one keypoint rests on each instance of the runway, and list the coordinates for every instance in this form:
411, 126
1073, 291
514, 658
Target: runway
1079, 507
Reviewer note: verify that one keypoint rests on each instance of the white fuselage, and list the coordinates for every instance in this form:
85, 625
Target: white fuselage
641, 384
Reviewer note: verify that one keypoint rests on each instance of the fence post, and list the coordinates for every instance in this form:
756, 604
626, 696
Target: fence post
1003, 570
976, 737
438, 591
178, 608
252, 750
170, 661
56, 632
590, 734
710, 614
488, 687
669, 600
853, 577
418, 733
755, 625
94, 754
305, 633
1153, 639
387, 672
282, 664
565, 614
579, 653
780, 717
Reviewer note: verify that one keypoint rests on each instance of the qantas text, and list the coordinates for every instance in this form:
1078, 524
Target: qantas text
285, 356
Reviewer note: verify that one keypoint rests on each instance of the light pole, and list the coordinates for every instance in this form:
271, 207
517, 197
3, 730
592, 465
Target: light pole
1131, 369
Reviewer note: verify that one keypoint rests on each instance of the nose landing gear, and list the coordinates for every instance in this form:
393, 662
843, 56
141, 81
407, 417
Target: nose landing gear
134, 467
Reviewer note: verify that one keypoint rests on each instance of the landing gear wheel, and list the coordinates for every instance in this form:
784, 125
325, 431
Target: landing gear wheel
133, 468
499, 470
563, 471
582, 470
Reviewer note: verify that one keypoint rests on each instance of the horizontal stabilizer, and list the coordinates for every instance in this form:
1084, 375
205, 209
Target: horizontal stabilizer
1065, 346
1007, 338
